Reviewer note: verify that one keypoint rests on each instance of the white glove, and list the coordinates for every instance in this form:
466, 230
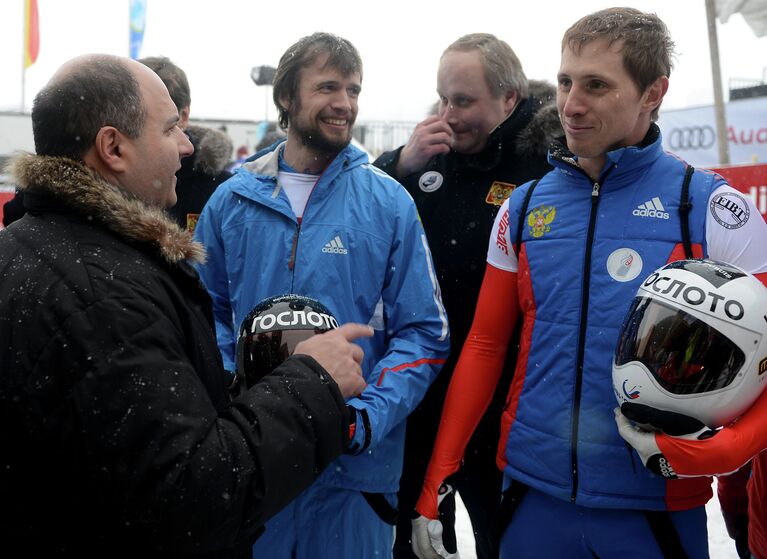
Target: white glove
427, 534
645, 445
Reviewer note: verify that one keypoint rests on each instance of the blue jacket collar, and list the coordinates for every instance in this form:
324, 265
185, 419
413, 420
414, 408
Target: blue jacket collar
257, 179
620, 162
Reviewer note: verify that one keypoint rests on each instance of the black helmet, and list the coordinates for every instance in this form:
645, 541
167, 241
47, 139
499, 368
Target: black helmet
270, 332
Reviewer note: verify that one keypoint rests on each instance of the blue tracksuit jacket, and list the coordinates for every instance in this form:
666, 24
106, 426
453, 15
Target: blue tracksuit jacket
359, 249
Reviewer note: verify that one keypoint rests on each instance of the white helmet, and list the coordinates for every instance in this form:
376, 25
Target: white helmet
693, 344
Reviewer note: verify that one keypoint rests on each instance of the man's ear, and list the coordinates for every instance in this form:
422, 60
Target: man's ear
284, 103
110, 147
653, 95
183, 118
510, 101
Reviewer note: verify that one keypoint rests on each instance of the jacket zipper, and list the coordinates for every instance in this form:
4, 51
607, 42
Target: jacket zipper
597, 185
294, 249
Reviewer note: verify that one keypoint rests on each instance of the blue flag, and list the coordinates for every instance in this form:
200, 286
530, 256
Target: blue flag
137, 24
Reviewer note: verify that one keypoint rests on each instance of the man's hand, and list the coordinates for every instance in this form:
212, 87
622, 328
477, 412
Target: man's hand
645, 445
644, 442
336, 354
427, 534
430, 137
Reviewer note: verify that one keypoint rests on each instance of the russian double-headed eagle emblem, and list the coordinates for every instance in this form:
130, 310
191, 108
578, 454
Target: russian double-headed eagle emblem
539, 220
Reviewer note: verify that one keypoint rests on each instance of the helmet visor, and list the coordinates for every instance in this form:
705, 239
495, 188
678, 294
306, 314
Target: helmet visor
259, 354
683, 353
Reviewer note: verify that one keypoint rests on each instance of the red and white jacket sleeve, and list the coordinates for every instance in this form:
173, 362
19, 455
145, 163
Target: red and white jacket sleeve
479, 366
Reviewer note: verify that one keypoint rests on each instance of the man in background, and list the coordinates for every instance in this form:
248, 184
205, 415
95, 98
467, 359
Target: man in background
490, 133
206, 168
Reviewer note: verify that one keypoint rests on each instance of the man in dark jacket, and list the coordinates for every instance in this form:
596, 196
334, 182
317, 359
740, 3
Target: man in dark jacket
491, 133
206, 168
118, 434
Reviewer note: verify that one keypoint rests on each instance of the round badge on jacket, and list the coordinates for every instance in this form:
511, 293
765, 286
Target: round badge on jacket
730, 210
624, 264
430, 181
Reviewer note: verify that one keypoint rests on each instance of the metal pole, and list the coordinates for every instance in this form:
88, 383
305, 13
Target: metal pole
721, 120
23, 57
23, 79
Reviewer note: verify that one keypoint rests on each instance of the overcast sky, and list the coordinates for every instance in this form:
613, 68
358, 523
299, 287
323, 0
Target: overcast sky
217, 42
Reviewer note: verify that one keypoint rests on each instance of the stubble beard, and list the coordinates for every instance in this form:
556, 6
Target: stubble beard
313, 137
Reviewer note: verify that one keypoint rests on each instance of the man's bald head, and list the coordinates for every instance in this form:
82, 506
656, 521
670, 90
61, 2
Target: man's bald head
85, 94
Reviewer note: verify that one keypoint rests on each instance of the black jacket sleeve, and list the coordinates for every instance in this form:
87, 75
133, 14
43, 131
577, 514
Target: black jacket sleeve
149, 446
387, 162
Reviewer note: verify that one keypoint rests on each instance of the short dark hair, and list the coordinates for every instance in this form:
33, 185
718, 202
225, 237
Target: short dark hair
341, 55
69, 111
646, 43
173, 77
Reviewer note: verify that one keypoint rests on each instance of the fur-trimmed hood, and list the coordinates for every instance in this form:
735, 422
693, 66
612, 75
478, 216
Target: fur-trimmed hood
545, 127
212, 149
81, 189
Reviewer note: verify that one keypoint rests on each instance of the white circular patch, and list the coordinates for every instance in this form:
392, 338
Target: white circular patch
730, 210
624, 264
430, 181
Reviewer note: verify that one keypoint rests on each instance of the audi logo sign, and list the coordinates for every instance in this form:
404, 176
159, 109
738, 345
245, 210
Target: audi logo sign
692, 137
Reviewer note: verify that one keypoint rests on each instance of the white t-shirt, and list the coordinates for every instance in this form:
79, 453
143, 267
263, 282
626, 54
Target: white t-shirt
298, 187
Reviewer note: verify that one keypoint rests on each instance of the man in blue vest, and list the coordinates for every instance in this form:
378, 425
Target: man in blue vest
565, 258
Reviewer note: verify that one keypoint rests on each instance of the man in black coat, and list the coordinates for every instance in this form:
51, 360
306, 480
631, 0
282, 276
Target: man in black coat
491, 133
118, 435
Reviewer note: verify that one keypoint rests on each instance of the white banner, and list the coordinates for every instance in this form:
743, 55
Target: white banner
691, 133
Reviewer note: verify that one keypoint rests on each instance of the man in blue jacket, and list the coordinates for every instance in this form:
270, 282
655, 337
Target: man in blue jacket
312, 216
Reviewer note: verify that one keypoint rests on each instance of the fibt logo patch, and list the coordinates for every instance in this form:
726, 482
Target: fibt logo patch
730, 210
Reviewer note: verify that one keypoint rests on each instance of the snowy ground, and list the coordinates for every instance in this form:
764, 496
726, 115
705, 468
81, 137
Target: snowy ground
720, 544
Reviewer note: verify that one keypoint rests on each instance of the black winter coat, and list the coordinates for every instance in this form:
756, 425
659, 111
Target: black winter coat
458, 215
117, 434
200, 174
458, 197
